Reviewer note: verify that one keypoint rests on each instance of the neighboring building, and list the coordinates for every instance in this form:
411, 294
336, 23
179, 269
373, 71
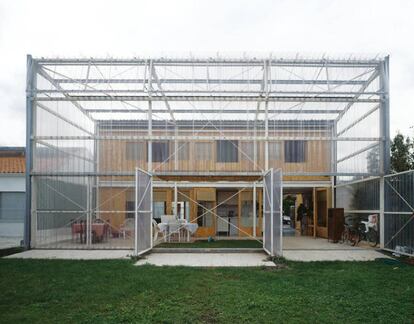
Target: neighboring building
12, 195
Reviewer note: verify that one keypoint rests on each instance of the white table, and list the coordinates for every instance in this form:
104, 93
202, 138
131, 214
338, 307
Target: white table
190, 228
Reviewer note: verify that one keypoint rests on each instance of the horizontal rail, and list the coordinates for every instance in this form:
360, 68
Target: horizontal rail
212, 137
216, 92
214, 61
218, 110
213, 98
214, 81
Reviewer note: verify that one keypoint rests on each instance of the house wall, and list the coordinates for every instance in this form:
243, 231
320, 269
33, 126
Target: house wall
11, 227
113, 154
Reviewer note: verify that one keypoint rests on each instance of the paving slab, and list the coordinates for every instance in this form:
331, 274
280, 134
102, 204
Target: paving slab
333, 255
72, 254
207, 260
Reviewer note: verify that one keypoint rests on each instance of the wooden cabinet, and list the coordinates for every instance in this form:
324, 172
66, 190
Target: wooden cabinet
335, 224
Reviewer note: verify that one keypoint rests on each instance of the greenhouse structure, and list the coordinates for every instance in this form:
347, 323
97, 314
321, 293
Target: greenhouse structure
116, 147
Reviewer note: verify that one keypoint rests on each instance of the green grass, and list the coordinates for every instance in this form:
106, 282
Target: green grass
56, 291
215, 244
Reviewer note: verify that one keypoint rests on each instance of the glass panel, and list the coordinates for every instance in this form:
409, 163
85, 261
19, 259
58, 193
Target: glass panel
135, 151
160, 151
203, 151
295, 151
275, 151
227, 151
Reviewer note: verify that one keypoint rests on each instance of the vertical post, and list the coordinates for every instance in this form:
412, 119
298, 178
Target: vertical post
175, 200
30, 115
382, 214
333, 162
88, 212
254, 209
175, 147
272, 252
136, 214
385, 141
97, 169
266, 136
266, 88
150, 118
281, 212
264, 209
385, 117
315, 202
151, 211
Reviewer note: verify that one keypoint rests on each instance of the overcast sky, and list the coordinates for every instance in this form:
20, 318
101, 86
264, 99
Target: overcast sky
138, 28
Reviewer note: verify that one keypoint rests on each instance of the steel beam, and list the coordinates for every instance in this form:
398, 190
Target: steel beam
254, 98
217, 61
215, 81
30, 86
222, 111
207, 137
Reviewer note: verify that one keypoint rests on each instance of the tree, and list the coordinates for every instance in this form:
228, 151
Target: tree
288, 201
401, 153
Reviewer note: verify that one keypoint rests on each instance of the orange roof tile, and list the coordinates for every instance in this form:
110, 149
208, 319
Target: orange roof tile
12, 164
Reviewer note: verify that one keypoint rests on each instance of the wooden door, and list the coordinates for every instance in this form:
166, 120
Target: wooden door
203, 211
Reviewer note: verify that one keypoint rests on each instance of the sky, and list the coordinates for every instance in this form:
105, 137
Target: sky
141, 28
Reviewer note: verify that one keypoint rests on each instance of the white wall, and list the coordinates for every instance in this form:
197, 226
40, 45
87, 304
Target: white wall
12, 183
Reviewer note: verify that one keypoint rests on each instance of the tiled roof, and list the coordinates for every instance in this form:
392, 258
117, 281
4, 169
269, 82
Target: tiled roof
12, 164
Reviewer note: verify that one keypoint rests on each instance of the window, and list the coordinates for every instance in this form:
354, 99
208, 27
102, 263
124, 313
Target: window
12, 206
135, 151
160, 151
247, 151
227, 151
203, 151
295, 151
275, 151
183, 151
130, 209
158, 209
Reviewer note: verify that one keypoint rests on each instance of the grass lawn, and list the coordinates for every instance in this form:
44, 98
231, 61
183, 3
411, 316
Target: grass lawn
215, 244
115, 291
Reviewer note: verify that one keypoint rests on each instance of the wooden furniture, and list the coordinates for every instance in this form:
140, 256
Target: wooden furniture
335, 224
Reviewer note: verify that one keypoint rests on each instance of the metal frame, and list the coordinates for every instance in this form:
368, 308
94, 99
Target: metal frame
268, 91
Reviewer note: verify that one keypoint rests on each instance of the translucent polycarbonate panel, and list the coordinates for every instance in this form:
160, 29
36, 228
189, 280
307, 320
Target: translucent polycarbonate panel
399, 212
365, 162
399, 233
60, 203
272, 212
399, 192
144, 212
363, 195
267, 212
277, 212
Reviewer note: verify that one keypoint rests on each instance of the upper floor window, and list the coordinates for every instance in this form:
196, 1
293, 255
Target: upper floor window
135, 151
202, 151
160, 151
275, 151
183, 151
227, 151
247, 150
295, 151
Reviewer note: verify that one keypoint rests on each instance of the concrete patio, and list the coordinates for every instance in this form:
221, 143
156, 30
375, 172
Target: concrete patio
207, 260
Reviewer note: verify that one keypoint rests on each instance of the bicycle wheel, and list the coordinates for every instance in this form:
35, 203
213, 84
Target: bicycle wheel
372, 237
345, 236
354, 237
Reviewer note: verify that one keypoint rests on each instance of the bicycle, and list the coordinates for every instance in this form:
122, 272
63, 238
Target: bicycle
350, 235
369, 230
355, 230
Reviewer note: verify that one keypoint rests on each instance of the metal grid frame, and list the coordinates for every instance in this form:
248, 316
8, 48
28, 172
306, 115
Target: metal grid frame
345, 86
